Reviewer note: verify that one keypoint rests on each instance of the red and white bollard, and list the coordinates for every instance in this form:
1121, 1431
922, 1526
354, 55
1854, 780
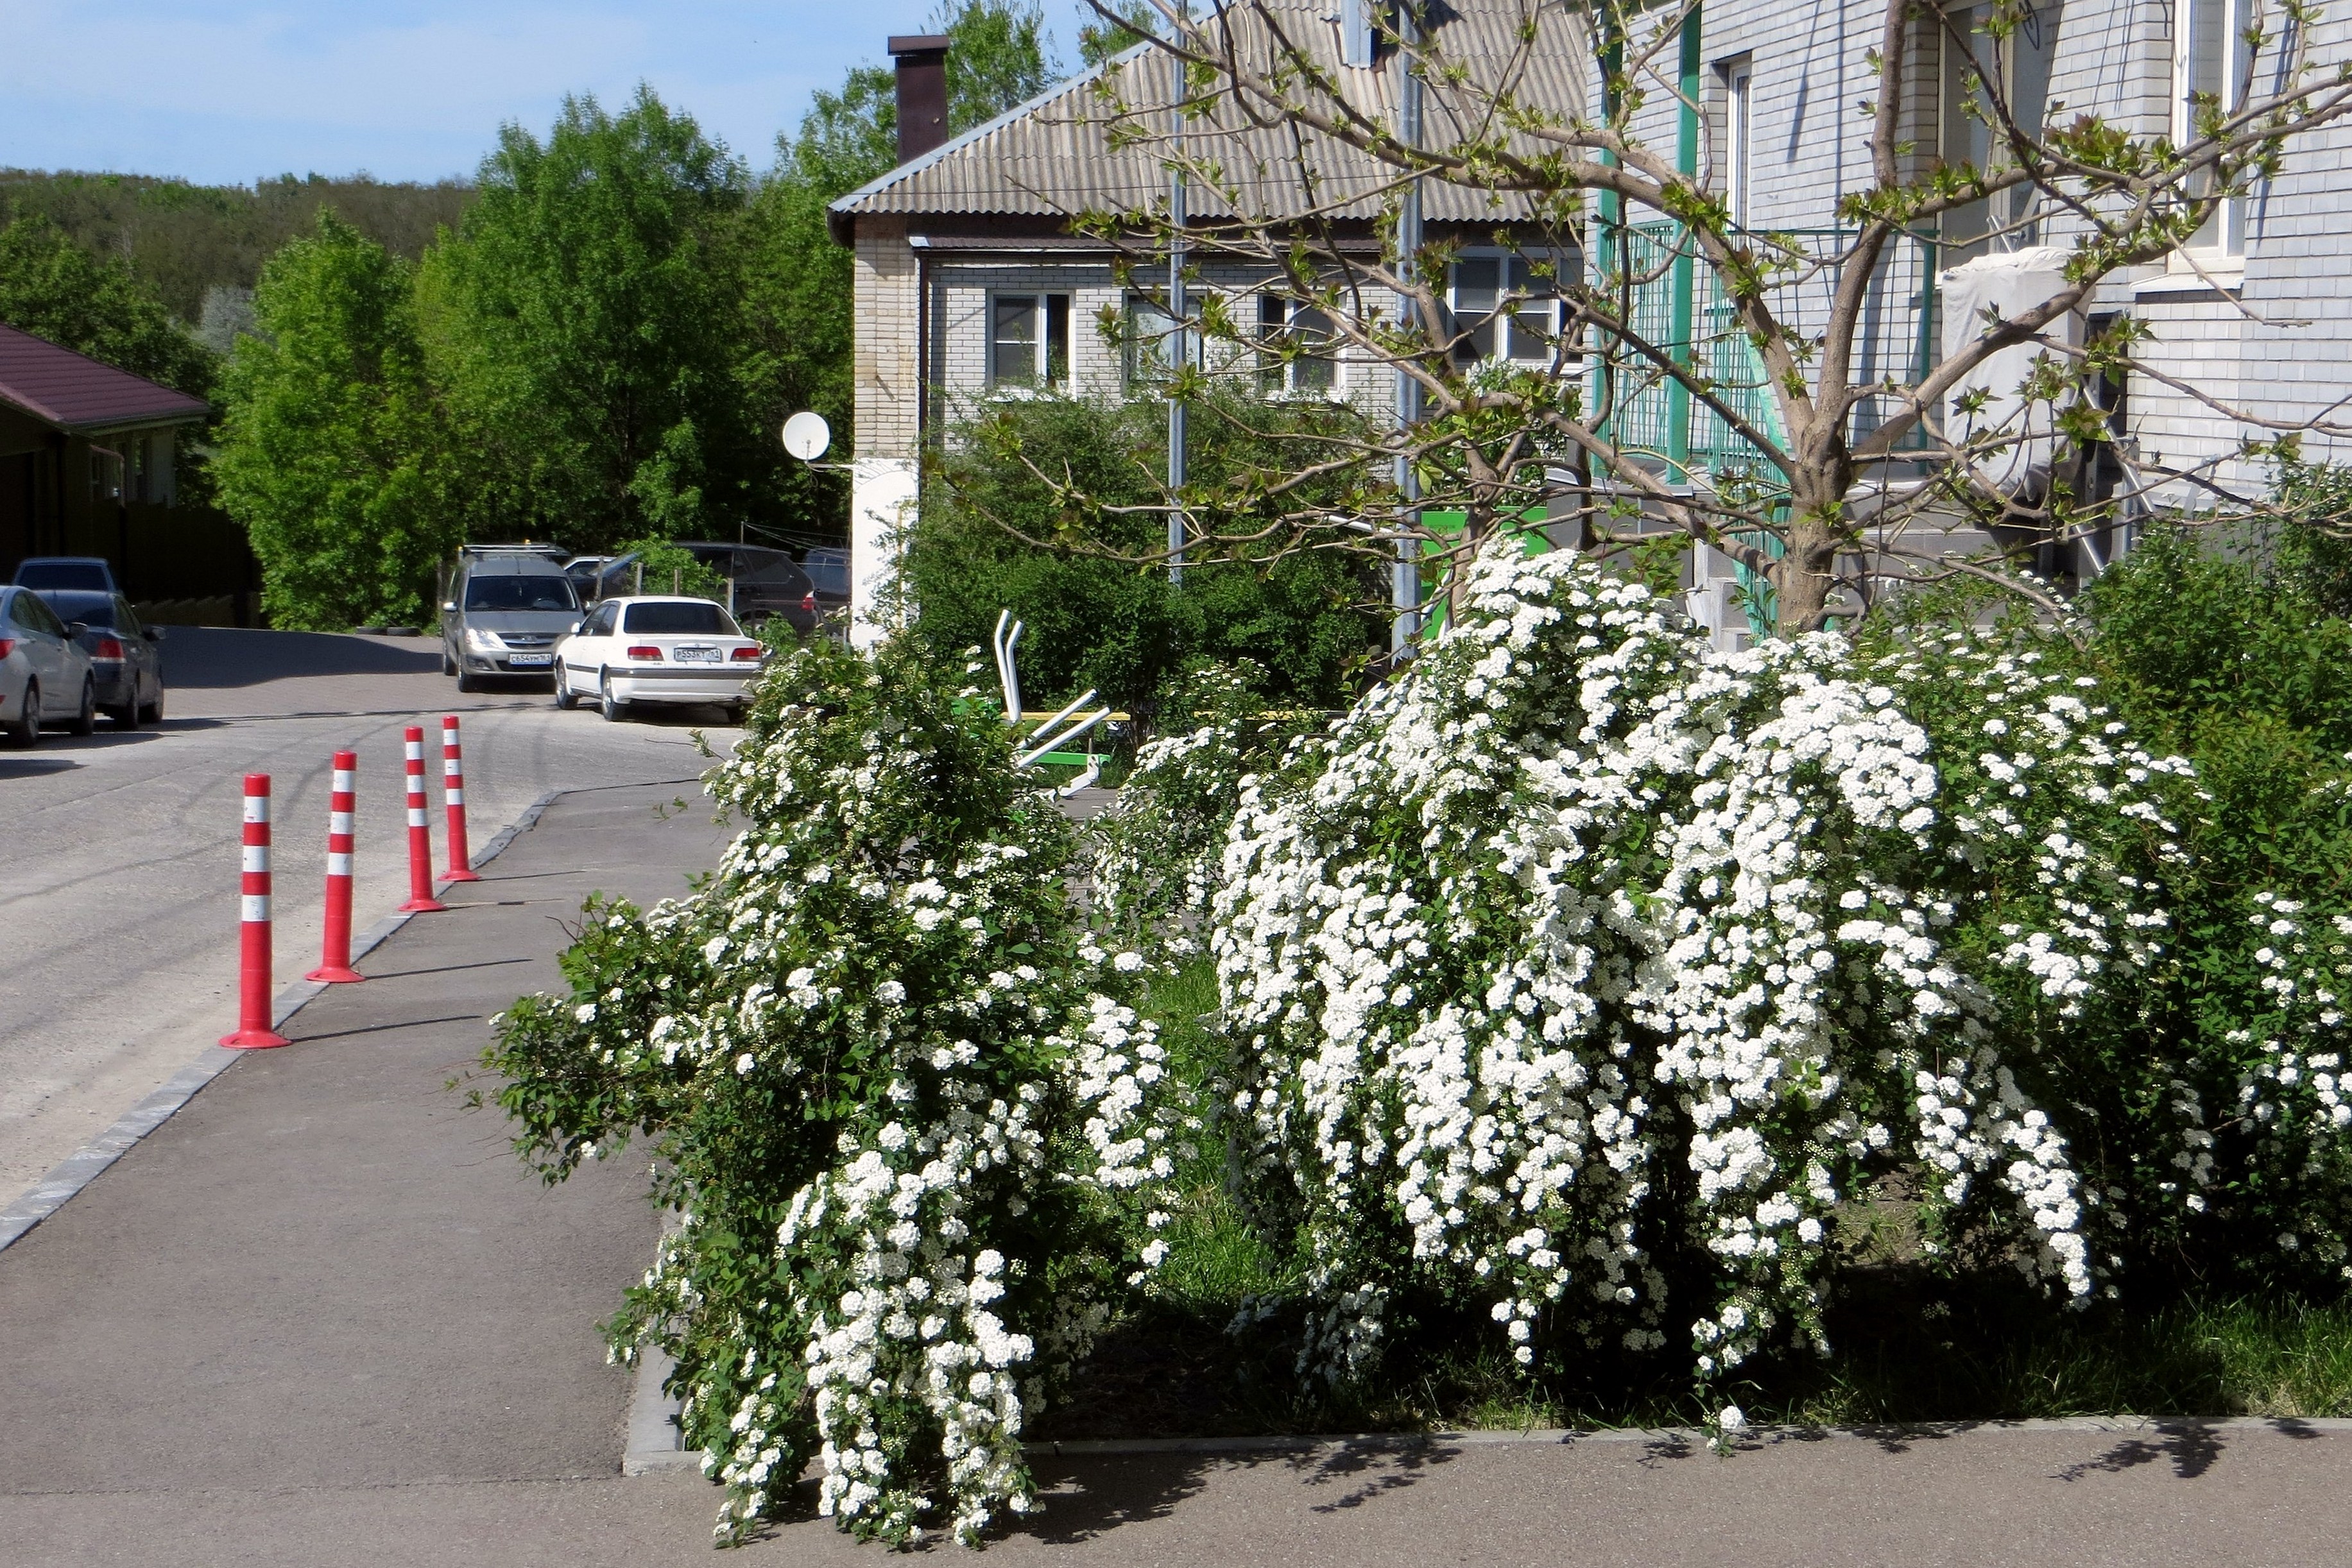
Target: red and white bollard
453, 794
253, 1021
420, 836
335, 951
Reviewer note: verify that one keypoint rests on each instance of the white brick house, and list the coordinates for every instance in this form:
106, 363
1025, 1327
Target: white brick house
970, 285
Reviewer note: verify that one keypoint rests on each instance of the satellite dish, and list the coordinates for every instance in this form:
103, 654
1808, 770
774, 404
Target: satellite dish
806, 435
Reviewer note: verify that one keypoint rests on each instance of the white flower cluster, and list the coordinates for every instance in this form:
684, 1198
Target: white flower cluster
857, 1042
1581, 937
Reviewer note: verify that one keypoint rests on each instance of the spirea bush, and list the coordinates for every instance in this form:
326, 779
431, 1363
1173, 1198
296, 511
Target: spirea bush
893, 1094
1157, 849
1595, 980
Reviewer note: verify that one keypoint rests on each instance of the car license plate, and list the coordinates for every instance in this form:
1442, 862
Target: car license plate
531, 661
690, 654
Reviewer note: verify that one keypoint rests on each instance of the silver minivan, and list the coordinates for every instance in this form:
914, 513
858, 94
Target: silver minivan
45, 676
502, 611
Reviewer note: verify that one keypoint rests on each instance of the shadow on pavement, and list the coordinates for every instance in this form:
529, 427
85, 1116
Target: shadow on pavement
2190, 1446
22, 766
215, 656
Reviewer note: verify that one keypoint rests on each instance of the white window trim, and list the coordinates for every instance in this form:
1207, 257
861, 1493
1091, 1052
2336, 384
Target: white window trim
1043, 386
1289, 390
2217, 261
1453, 301
1739, 138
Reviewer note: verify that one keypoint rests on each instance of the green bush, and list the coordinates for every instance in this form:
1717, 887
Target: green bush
869, 1053
997, 534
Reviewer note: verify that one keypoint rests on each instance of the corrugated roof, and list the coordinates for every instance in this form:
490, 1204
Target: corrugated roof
79, 395
1056, 156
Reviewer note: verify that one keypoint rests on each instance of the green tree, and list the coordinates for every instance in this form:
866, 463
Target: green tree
53, 288
997, 534
585, 325
1130, 22
328, 442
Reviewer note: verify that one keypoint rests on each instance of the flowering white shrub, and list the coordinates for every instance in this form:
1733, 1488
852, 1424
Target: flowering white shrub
1156, 852
873, 1057
1583, 974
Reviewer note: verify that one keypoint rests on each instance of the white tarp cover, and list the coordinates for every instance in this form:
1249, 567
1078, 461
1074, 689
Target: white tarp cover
2011, 284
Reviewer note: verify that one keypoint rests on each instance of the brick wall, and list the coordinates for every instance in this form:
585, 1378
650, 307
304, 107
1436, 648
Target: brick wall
884, 379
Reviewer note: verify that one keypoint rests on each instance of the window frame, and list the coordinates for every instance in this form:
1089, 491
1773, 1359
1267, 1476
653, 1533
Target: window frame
1505, 258
1277, 318
1739, 76
1050, 352
1146, 364
2020, 226
2226, 250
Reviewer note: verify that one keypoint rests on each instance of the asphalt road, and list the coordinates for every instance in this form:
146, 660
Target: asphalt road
117, 886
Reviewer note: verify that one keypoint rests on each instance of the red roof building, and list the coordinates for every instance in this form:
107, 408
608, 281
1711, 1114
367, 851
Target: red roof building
87, 460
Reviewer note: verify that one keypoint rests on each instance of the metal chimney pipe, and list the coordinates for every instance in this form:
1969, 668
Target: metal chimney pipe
922, 93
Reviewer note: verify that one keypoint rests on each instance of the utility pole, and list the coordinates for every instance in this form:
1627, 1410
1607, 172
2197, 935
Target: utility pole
1405, 593
1179, 348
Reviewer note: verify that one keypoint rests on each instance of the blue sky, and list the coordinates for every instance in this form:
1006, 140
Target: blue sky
227, 91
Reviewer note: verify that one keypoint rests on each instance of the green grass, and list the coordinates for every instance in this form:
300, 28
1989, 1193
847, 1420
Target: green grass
1909, 1345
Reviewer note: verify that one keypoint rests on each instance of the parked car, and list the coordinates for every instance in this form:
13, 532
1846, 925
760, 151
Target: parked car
84, 573
828, 571
126, 658
45, 676
659, 650
767, 582
506, 605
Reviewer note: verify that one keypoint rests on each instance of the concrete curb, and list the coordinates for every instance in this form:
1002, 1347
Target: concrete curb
653, 1440
77, 1170
1754, 1437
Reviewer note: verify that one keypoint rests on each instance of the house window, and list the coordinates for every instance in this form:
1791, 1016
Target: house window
2210, 72
2018, 67
1028, 341
1300, 353
1739, 135
1503, 309
1149, 347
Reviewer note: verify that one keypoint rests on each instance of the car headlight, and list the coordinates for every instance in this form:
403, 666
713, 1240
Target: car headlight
480, 642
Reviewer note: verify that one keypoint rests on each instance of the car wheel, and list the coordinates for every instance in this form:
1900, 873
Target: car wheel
154, 711
565, 697
449, 663
26, 729
127, 715
85, 718
614, 709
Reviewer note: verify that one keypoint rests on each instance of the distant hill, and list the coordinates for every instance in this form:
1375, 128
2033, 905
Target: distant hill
202, 246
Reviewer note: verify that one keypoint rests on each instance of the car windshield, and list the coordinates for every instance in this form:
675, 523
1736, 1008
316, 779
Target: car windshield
533, 590
681, 617
90, 609
87, 575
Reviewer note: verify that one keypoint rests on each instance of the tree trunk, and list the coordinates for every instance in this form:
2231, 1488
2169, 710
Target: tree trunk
1802, 578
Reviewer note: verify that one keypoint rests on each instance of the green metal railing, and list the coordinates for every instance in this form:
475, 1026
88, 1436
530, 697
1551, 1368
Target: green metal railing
1678, 306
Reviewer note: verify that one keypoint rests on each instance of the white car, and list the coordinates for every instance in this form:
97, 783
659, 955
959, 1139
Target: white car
659, 650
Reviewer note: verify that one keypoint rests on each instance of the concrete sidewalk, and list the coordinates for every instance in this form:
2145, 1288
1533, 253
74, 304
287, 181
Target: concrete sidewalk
322, 1317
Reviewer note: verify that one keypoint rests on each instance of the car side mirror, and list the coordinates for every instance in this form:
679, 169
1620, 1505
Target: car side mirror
154, 633
574, 631
76, 627
448, 607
